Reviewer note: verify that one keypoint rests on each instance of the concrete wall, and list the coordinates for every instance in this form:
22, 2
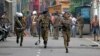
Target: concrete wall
10, 7
1, 6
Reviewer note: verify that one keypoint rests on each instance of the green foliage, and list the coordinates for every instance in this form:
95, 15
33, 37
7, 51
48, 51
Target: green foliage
54, 2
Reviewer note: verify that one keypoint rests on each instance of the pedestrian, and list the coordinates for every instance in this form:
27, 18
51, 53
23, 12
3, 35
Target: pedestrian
52, 22
34, 24
28, 23
56, 25
66, 28
19, 27
80, 25
73, 26
44, 23
95, 27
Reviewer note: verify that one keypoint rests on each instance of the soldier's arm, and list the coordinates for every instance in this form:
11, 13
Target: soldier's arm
24, 23
82, 21
70, 22
77, 21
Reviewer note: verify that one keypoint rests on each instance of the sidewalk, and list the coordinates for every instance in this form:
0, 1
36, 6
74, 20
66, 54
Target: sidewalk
91, 39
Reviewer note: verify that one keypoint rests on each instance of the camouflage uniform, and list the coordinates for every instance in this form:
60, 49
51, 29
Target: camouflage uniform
44, 23
19, 28
66, 28
80, 24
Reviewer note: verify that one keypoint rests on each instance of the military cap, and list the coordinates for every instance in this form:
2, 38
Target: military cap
44, 12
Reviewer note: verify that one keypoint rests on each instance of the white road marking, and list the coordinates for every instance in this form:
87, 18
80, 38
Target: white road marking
37, 55
38, 52
93, 42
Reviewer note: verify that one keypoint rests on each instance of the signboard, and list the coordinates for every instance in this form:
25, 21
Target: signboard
85, 12
65, 4
51, 10
55, 8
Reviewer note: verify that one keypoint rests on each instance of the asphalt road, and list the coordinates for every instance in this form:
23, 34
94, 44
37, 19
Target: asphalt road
77, 47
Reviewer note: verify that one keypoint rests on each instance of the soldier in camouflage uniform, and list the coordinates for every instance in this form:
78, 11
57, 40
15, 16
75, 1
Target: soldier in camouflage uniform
80, 24
44, 24
66, 28
19, 27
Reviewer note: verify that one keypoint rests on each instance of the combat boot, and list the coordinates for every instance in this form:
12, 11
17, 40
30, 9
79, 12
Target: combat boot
45, 44
20, 44
66, 50
17, 41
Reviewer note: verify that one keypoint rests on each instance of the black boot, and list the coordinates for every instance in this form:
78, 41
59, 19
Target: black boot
20, 44
2, 39
21, 41
45, 44
17, 41
66, 50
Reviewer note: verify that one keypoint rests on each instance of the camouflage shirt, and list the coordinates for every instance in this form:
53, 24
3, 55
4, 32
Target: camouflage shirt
44, 21
66, 24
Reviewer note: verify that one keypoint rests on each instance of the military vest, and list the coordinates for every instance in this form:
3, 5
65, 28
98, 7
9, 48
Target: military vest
66, 25
44, 22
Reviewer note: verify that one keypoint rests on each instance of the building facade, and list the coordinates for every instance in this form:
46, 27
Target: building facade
1, 6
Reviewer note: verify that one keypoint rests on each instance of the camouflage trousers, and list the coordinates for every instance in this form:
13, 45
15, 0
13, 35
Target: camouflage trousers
44, 33
56, 32
66, 36
80, 30
20, 36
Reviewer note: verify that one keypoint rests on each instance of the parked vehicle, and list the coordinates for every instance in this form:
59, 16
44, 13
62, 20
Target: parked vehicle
4, 31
